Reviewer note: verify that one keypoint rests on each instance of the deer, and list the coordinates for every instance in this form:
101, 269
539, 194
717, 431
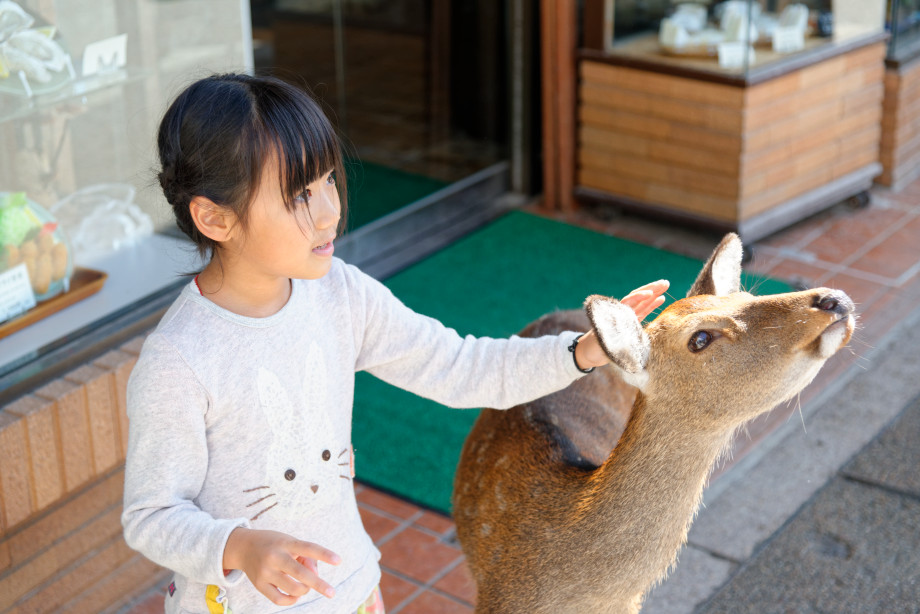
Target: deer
580, 501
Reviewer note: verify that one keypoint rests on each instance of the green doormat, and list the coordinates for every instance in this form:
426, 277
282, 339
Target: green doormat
374, 190
493, 283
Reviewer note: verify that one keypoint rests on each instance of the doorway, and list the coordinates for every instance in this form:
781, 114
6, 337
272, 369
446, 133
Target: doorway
419, 91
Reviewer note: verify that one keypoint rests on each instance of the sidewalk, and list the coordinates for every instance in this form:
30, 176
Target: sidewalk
788, 476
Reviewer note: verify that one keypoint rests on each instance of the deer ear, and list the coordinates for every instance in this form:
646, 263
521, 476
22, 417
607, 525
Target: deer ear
722, 273
622, 337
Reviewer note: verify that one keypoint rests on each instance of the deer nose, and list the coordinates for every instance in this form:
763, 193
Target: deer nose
314, 488
835, 301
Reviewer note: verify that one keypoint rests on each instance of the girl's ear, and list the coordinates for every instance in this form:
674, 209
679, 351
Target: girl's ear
213, 221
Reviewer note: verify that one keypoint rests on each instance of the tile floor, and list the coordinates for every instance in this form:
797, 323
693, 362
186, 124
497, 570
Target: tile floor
872, 252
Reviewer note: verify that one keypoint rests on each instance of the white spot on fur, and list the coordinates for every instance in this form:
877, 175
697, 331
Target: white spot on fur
832, 339
639, 380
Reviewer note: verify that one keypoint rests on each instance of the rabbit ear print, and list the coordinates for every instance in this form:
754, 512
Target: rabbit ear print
275, 407
314, 387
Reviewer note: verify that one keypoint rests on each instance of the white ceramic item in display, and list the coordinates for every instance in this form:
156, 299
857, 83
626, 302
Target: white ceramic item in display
102, 218
33, 59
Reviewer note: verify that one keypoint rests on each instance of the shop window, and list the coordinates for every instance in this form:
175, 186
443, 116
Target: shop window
904, 26
732, 37
85, 232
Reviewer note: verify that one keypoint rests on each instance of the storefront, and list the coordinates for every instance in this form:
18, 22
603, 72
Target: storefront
432, 99
421, 91
900, 150
744, 115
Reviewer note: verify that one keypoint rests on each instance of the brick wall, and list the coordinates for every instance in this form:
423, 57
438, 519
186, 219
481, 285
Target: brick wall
62, 451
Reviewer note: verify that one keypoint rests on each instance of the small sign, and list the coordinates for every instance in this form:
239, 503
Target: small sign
16, 294
106, 55
735, 54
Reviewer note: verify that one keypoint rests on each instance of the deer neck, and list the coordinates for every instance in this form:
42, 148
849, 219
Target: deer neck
651, 485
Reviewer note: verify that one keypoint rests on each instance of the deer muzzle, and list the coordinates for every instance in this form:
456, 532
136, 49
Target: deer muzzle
839, 330
835, 301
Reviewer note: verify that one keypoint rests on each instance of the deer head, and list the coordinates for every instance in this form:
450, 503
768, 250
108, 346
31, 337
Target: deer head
721, 356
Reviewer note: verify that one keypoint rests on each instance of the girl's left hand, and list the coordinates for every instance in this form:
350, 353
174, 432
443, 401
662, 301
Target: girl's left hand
643, 300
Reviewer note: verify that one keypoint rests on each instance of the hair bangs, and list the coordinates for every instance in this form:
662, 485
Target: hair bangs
305, 146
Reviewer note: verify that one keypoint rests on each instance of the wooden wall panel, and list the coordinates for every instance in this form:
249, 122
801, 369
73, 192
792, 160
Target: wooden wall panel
558, 92
728, 152
900, 141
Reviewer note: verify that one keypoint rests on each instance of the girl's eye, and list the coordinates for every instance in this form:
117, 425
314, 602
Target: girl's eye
305, 196
289, 475
327, 455
700, 340
331, 179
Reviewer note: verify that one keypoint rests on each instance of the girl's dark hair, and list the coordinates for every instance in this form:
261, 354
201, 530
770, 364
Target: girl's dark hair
217, 135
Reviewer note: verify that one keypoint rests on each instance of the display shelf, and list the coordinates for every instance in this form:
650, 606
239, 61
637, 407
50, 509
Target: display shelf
151, 266
17, 107
84, 283
641, 52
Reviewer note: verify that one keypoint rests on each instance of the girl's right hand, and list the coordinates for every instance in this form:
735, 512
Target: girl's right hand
280, 567
646, 299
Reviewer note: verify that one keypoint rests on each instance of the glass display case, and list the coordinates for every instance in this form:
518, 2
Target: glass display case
904, 27
742, 115
84, 230
733, 37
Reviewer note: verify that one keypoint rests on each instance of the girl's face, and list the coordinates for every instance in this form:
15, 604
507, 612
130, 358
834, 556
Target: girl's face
280, 243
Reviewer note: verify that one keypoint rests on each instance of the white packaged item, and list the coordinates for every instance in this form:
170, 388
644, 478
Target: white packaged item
691, 17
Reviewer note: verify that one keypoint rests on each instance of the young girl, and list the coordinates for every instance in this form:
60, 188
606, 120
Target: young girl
238, 470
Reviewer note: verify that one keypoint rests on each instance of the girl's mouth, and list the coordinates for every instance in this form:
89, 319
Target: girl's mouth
326, 249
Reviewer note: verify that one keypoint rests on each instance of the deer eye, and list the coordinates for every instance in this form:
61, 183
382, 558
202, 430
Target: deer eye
327, 455
700, 340
289, 475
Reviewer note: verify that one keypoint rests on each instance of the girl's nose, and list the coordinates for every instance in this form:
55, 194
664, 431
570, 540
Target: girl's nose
326, 215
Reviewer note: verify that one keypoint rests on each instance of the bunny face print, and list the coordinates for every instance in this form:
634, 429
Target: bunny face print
306, 460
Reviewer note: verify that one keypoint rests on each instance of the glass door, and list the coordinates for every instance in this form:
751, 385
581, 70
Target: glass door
419, 92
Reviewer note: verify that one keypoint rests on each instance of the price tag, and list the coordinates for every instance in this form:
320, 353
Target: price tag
732, 54
787, 40
106, 55
16, 294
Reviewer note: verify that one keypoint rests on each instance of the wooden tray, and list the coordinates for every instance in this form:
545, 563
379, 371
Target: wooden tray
83, 283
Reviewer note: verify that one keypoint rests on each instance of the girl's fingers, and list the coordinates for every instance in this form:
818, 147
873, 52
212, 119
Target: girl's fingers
308, 563
655, 287
635, 297
646, 299
643, 302
650, 307
305, 577
290, 585
314, 551
276, 596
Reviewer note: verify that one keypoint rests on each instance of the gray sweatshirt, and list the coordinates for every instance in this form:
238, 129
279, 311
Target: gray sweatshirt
246, 422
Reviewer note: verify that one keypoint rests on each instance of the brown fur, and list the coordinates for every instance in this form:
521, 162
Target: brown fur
560, 509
